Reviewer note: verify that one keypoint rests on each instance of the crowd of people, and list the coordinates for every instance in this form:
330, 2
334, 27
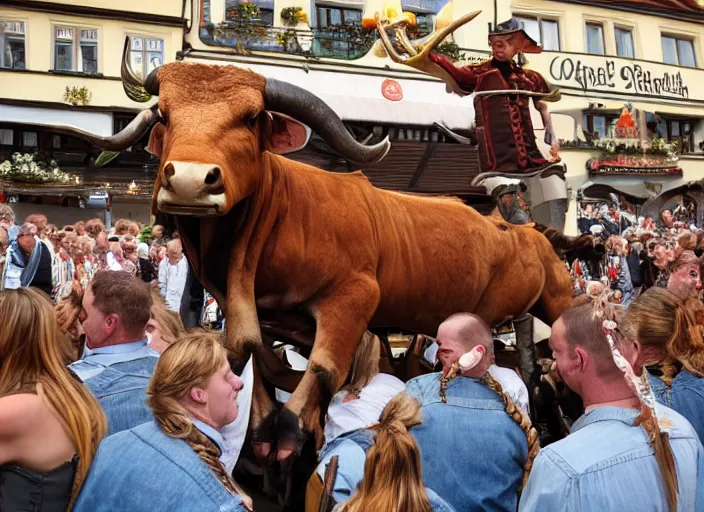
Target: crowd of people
640, 253
39, 254
109, 403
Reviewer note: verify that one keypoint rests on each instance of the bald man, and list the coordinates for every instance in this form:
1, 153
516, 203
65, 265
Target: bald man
173, 273
473, 452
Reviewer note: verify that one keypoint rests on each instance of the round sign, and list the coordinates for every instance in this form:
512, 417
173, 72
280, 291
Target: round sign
391, 90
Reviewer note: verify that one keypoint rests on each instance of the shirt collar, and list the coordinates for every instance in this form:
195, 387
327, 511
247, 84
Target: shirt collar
607, 413
122, 348
211, 432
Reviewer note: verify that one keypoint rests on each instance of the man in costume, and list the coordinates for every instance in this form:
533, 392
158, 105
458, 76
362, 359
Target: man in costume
605, 463
504, 128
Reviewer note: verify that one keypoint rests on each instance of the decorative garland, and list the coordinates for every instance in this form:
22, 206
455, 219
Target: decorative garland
32, 168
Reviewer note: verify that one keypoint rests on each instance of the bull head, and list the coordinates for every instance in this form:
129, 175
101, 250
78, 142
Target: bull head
416, 54
213, 126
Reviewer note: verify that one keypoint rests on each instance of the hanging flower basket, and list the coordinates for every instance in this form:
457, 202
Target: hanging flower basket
31, 168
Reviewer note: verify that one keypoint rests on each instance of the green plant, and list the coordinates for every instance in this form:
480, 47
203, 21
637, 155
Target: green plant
76, 96
451, 50
243, 23
292, 16
32, 168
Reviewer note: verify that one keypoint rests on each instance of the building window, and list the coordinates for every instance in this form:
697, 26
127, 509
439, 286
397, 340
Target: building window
624, 42
425, 11
679, 130
30, 140
595, 38
335, 16
233, 10
545, 31
599, 126
146, 54
678, 51
56, 141
76, 49
12, 45
7, 137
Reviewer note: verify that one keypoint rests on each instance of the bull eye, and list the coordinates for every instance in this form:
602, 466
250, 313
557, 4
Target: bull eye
251, 122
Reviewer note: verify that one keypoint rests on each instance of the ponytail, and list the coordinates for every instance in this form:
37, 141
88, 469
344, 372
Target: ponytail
660, 441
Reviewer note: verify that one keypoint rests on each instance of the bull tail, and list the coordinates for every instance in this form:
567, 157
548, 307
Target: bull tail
583, 247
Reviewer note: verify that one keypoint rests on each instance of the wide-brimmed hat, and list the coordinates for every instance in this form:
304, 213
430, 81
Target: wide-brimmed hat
515, 26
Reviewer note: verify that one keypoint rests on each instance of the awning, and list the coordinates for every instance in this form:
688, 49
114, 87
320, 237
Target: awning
99, 123
356, 97
639, 188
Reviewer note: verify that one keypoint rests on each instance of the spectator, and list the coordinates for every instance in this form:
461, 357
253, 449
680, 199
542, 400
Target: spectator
50, 425
685, 279
147, 271
173, 461
80, 227
63, 268
355, 407
7, 221
28, 262
130, 259
607, 462
392, 478
119, 363
158, 236
501, 435
164, 327
173, 273
4, 244
673, 349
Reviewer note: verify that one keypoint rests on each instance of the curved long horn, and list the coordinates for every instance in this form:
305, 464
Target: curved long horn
135, 88
130, 134
307, 108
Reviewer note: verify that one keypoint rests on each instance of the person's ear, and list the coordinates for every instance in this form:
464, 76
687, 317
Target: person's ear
581, 358
198, 395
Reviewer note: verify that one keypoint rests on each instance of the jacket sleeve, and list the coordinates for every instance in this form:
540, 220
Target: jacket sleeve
465, 77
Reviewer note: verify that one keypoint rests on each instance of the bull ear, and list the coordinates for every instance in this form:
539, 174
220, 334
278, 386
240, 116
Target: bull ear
284, 134
156, 140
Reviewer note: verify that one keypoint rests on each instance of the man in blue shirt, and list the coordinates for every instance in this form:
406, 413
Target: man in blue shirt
117, 363
607, 462
473, 453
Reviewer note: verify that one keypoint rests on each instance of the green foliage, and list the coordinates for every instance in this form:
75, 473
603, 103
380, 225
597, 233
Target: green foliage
292, 16
76, 96
451, 50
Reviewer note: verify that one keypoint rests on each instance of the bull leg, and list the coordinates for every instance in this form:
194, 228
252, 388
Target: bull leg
243, 338
341, 321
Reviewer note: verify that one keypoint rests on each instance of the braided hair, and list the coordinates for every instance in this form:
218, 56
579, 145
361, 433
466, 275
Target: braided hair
188, 363
516, 414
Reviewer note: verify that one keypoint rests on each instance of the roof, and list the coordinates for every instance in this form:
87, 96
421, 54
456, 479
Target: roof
682, 9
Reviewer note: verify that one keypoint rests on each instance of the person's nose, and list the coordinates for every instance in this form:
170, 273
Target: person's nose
237, 383
698, 285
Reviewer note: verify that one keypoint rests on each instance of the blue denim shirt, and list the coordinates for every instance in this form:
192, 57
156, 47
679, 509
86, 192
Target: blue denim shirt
473, 452
118, 377
143, 470
686, 396
607, 464
351, 449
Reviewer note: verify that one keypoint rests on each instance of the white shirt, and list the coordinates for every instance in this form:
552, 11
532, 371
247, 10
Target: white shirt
172, 281
513, 386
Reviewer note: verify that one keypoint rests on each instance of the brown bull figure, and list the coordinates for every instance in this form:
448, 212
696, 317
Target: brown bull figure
263, 231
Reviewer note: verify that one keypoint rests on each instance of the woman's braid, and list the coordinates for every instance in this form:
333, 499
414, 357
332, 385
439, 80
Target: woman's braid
522, 420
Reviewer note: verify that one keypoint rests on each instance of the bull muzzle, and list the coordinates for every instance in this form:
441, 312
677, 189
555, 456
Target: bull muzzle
190, 188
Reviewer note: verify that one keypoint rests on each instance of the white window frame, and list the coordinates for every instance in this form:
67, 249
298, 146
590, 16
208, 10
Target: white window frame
608, 42
634, 35
146, 38
12, 35
664, 32
76, 39
544, 17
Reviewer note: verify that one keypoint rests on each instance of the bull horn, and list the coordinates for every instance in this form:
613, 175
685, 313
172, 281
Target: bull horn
137, 89
309, 109
134, 131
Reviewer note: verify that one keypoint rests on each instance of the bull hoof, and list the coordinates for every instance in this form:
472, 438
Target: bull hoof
263, 436
291, 436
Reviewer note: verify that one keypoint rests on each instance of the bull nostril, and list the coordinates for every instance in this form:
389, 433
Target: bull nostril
213, 176
169, 170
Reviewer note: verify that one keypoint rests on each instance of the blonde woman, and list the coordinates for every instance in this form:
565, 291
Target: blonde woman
670, 338
393, 480
172, 463
50, 424
164, 326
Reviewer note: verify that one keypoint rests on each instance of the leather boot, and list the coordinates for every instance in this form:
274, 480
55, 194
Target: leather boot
526, 349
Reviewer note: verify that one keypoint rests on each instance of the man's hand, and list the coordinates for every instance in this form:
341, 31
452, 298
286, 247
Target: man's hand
549, 137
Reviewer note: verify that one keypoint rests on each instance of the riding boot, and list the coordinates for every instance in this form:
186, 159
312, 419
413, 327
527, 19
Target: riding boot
526, 349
